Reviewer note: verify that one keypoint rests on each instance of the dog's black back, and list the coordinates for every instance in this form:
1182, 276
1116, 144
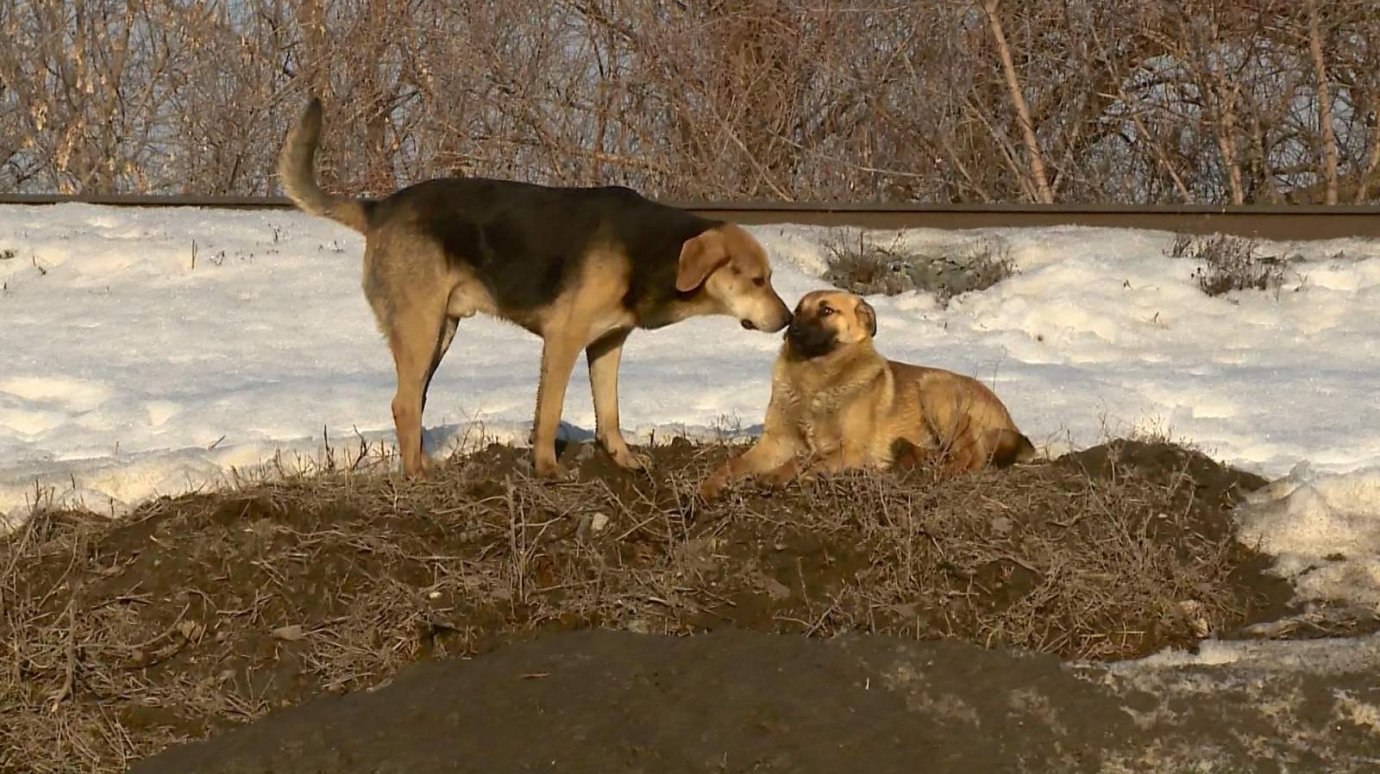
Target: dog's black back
526, 242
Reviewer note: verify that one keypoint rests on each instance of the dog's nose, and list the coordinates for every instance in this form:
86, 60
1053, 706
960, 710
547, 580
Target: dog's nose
785, 320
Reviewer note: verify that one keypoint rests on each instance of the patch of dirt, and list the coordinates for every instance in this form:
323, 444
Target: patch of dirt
735, 701
1213, 486
203, 612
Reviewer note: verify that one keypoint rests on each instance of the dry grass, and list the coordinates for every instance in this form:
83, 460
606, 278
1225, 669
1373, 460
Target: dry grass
1229, 263
861, 265
119, 639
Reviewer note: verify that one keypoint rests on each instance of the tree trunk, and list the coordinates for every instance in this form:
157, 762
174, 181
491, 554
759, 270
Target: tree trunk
1013, 84
1329, 140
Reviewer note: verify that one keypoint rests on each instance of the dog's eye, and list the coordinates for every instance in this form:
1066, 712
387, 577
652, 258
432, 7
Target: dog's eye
825, 311
759, 281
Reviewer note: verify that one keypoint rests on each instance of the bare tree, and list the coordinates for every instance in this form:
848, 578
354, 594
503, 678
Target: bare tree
1324, 100
1032, 144
953, 100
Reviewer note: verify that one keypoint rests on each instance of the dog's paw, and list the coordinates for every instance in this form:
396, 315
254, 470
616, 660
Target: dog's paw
432, 469
551, 470
711, 488
623, 456
631, 460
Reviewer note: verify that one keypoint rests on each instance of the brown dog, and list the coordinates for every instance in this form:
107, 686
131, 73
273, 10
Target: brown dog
579, 267
839, 404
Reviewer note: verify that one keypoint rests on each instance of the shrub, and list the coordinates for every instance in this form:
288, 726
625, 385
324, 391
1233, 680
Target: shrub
865, 267
1230, 263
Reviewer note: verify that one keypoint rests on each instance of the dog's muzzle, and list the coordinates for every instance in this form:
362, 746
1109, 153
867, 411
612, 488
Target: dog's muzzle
771, 325
809, 339
781, 319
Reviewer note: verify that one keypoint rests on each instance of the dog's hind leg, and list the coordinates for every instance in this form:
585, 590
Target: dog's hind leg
418, 336
442, 345
604, 356
1009, 447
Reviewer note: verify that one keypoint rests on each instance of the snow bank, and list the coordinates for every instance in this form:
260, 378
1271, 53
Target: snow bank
1329, 656
1324, 530
155, 351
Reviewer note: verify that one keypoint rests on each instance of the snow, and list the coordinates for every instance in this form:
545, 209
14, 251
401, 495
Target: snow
1324, 530
1304, 696
1324, 656
157, 351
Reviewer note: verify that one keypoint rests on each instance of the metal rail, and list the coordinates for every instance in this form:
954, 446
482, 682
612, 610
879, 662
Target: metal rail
1275, 222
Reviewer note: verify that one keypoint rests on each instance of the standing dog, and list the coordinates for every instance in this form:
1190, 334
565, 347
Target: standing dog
839, 403
579, 267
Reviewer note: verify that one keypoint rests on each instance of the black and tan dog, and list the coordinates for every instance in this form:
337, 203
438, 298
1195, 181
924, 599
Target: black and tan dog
580, 267
837, 404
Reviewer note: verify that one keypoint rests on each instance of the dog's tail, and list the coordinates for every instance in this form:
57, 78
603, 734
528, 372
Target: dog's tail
1009, 447
297, 171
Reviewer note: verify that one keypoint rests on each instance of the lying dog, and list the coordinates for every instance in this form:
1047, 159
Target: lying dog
579, 267
840, 405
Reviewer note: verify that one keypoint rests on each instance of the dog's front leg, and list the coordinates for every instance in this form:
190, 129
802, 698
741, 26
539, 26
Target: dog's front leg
604, 357
835, 461
823, 464
784, 473
780, 443
558, 356
771, 454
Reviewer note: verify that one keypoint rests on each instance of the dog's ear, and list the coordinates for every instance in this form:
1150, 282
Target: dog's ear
699, 257
867, 317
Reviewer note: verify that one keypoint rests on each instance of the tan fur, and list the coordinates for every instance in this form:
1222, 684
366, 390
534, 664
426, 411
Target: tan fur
296, 167
587, 313
853, 408
418, 295
412, 299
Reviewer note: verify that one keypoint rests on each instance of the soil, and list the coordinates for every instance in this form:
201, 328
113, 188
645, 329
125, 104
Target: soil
483, 620
734, 701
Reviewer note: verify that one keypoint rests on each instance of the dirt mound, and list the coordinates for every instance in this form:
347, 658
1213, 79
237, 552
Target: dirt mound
208, 610
733, 701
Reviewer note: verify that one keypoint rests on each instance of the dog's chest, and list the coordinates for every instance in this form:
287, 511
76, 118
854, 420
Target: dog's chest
816, 400
817, 413
824, 404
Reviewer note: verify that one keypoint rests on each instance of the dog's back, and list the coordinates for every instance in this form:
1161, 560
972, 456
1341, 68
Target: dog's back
524, 242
